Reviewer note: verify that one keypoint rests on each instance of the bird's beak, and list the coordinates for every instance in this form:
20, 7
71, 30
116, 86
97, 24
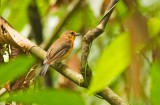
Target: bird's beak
78, 34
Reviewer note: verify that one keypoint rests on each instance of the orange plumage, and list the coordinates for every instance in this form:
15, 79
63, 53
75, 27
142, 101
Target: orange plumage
59, 50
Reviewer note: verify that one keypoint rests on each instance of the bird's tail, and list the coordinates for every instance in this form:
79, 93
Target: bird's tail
44, 69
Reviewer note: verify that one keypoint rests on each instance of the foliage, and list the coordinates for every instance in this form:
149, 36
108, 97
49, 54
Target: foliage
155, 92
54, 97
110, 64
10, 71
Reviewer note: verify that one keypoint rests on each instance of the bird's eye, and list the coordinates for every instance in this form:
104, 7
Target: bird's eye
72, 33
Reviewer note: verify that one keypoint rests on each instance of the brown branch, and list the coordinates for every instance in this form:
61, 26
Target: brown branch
10, 36
105, 18
89, 37
111, 97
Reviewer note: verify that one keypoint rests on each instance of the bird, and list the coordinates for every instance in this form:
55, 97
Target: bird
59, 50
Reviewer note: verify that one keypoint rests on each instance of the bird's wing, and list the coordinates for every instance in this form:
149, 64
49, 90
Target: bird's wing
58, 51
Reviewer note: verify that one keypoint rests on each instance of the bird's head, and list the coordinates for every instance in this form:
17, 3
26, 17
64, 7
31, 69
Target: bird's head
70, 34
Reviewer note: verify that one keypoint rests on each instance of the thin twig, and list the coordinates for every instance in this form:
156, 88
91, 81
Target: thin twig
105, 18
89, 37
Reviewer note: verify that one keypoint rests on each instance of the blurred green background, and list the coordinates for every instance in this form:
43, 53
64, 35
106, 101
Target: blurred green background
126, 57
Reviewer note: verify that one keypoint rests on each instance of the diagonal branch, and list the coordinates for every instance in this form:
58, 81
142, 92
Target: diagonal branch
105, 18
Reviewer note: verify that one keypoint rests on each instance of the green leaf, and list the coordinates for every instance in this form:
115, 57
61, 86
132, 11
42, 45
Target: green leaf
47, 97
114, 60
13, 69
155, 85
154, 26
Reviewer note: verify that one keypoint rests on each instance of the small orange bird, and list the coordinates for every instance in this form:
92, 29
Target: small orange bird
59, 50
